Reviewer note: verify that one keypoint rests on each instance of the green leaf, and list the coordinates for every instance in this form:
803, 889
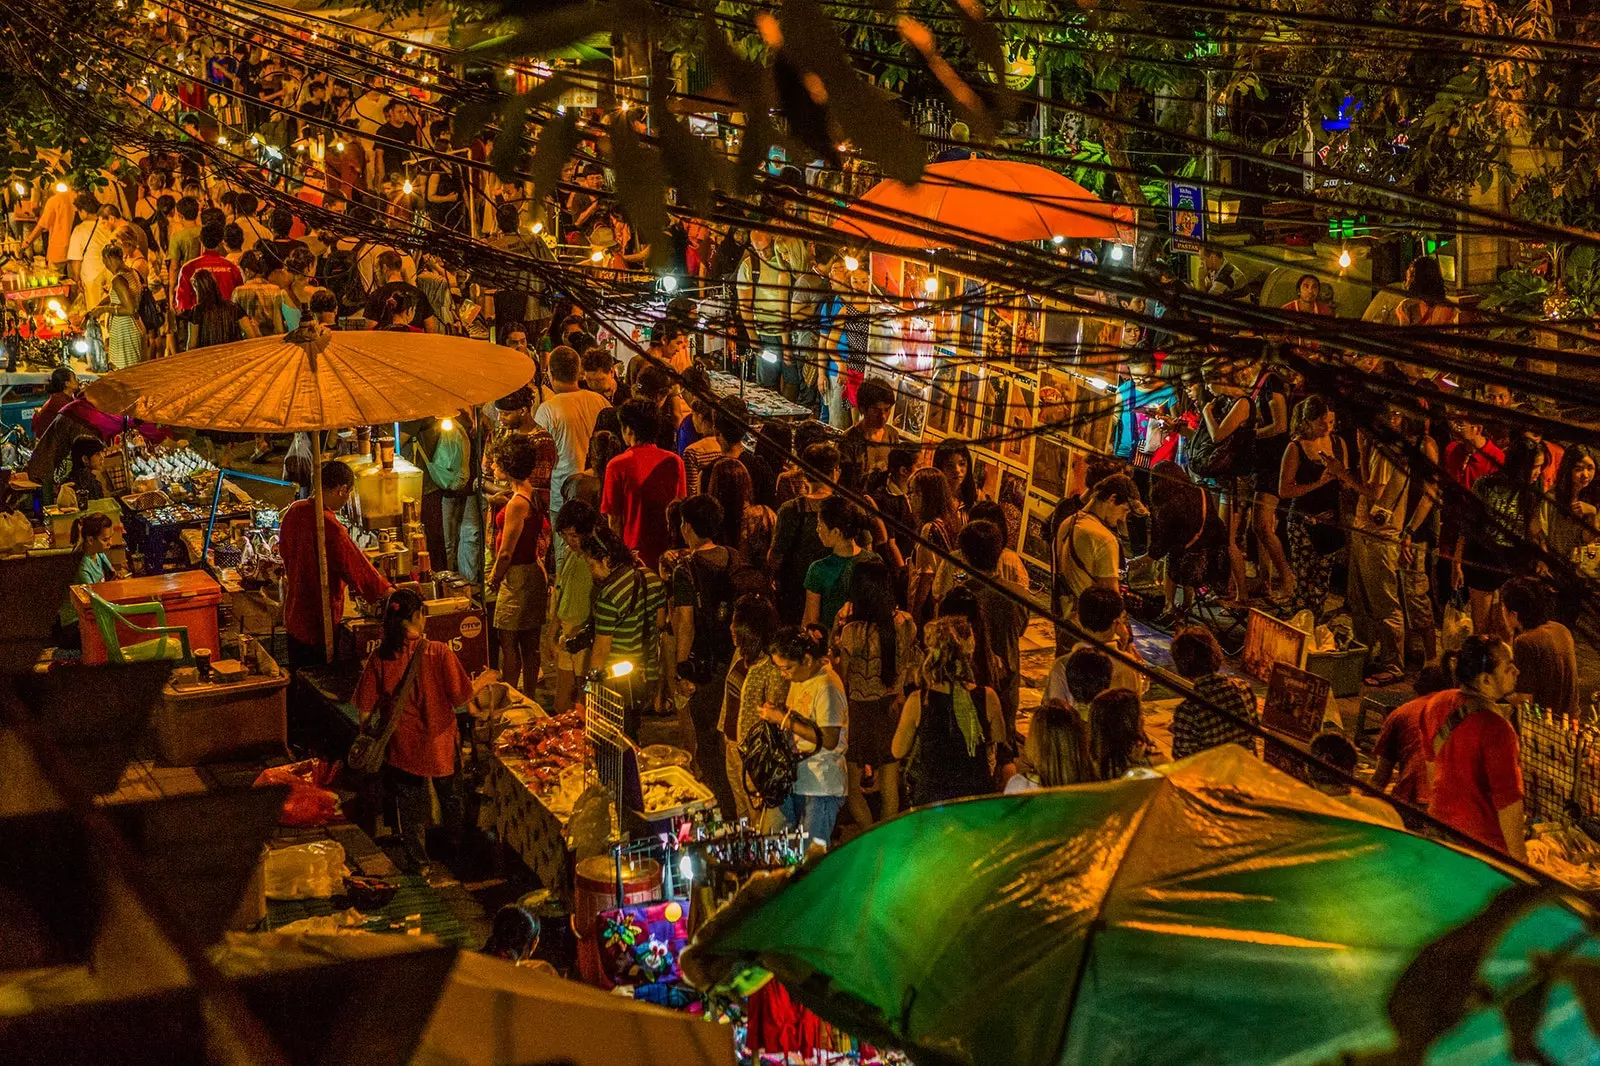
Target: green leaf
470, 118
546, 29
510, 144
557, 138
695, 171
641, 187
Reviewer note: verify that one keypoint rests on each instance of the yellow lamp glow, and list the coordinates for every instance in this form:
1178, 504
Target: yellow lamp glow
61, 186
406, 188
621, 669
447, 423
930, 285
1344, 260
852, 263
596, 255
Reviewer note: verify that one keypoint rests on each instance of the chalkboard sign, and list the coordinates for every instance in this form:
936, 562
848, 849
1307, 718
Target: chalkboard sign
1296, 702
1269, 641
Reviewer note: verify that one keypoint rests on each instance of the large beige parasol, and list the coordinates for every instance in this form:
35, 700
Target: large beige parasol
314, 379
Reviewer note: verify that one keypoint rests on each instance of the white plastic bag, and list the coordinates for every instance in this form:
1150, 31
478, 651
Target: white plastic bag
306, 871
16, 533
1457, 627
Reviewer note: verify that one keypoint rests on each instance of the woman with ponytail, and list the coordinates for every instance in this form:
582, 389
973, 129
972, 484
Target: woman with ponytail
397, 311
420, 682
873, 642
91, 543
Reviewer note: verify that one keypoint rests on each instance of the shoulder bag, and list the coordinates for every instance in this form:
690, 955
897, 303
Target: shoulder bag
371, 746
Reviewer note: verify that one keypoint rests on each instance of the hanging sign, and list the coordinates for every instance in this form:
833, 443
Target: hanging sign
1187, 217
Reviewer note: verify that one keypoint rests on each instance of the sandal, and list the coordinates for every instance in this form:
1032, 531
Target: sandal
1383, 677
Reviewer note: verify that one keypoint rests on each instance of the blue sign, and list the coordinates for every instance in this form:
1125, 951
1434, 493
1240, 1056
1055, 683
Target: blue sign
1187, 217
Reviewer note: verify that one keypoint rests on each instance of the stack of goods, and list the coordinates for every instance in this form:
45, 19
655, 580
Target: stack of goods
764, 403
547, 755
1567, 853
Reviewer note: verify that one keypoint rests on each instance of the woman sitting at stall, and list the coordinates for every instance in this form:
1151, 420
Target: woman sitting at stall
950, 726
91, 543
518, 575
421, 682
85, 461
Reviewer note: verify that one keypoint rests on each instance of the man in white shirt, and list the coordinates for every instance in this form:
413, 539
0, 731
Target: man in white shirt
96, 226
569, 417
1086, 550
1100, 611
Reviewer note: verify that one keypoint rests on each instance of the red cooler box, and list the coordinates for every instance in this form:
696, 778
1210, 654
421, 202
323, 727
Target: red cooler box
191, 598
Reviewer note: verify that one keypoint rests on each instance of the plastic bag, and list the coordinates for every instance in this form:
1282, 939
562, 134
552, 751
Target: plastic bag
306, 871
16, 533
1304, 621
308, 802
1457, 627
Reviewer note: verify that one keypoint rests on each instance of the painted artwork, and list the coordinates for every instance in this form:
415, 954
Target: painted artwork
997, 393
985, 477
915, 419
942, 400
971, 337
1013, 487
1057, 394
966, 419
1036, 531
1050, 459
1019, 446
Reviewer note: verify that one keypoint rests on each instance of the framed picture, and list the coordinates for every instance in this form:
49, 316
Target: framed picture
1050, 459
1025, 330
966, 418
1036, 531
1020, 424
997, 392
972, 310
915, 417
942, 400
1013, 488
985, 477
1058, 393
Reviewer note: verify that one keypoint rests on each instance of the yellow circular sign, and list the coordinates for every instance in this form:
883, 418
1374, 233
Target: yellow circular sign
673, 911
471, 626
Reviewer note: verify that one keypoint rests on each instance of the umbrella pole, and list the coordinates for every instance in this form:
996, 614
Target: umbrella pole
325, 609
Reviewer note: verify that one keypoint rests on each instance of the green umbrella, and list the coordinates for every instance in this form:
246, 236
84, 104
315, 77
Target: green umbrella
1220, 912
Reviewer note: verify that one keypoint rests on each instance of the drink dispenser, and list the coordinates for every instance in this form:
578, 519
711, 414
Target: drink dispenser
380, 494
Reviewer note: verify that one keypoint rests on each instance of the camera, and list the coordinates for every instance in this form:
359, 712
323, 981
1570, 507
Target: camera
1380, 516
582, 640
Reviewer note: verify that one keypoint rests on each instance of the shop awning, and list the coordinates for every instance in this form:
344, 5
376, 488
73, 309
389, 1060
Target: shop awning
984, 200
1219, 912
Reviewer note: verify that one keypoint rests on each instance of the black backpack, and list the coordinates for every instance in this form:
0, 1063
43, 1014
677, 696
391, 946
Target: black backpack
716, 590
1235, 455
769, 764
342, 277
149, 311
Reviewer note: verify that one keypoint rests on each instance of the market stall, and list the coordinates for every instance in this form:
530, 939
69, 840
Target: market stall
1028, 384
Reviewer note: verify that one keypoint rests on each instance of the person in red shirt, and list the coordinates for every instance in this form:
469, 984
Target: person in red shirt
63, 388
1474, 768
640, 483
1399, 750
423, 749
297, 543
211, 259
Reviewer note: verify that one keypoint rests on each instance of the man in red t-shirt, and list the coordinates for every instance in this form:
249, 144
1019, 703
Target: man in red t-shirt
211, 259
640, 483
1400, 751
1474, 764
347, 565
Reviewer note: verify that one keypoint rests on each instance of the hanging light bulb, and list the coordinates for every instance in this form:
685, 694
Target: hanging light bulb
1116, 253
54, 307
623, 107
851, 263
1058, 240
222, 139
338, 146
511, 72
21, 189
669, 283
61, 186
446, 424
406, 187
1344, 259
538, 228
80, 346
596, 255
930, 285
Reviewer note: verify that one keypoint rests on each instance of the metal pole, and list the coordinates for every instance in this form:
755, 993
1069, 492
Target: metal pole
323, 600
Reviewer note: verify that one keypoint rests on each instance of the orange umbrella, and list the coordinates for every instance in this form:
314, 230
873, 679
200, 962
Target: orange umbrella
985, 199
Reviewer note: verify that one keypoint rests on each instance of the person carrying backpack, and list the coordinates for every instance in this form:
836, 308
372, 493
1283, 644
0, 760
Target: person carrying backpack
705, 585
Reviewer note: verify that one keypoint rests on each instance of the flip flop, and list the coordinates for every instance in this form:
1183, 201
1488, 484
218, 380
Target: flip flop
1383, 677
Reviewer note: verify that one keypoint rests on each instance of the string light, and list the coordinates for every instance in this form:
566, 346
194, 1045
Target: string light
596, 255
538, 228
406, 187
851, 263
338, 146
20, 188
61, 186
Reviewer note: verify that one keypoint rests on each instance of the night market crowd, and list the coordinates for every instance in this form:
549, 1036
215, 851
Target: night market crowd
833, 591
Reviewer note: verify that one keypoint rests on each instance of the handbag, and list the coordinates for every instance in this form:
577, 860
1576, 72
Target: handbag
769, 765
371, 746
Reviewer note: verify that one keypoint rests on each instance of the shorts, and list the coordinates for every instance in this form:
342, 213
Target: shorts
521, 605
872, 726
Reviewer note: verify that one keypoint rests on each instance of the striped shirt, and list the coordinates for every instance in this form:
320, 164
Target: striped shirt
625, 610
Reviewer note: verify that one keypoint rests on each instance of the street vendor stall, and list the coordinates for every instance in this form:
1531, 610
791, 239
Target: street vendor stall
312, 380
1028, 385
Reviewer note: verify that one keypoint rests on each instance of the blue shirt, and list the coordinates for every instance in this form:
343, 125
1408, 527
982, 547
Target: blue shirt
1131, 399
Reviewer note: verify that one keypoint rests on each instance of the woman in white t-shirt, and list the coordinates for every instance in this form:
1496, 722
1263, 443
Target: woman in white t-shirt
815, 713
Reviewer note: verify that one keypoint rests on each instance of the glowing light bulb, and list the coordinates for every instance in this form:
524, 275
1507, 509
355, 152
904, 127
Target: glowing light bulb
669, 283
410, 48
61, 186
406, 188
222, 139
768, 355
1345, 260
538, 227
151, 15
623, 107
686, 868
852, 263
80, 346
1100, 383
621, 669
255, 139
1058, 239
21, 189
54, 307
511, 72
447, 424
424, 79
338, 146
930, 285
1116, 253
596, 255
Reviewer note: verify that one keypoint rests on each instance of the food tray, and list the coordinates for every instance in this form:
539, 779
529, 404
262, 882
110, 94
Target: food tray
678, 778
